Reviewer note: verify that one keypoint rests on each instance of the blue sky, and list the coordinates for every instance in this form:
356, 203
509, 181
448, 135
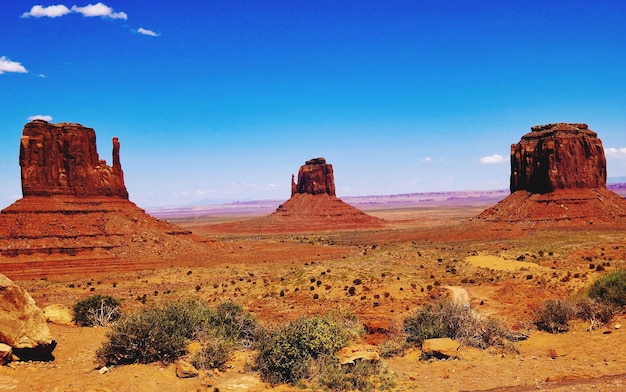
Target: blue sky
223, 100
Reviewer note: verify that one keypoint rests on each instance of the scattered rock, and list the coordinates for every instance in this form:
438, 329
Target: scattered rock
440, 348
104, 370
22, 324
58, 314
185, 369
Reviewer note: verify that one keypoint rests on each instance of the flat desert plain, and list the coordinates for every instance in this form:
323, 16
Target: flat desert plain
420, 254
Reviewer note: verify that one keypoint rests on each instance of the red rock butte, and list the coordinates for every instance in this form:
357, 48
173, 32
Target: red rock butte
75, 214
558, 175
61, 159
313, 206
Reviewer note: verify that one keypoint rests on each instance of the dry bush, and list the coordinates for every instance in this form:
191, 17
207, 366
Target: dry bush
99, 310
447, 319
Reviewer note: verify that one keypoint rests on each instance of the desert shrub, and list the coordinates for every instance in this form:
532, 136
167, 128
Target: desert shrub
286, 353
97, 310
215, 352
144, 338
447, 319
232, 322
554, 316
161, 334
597, 313
610, 288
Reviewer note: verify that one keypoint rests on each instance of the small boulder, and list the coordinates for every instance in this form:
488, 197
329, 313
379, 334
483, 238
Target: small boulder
6, 353
22, 323
441, 348
185, 370
58, 314
359, 356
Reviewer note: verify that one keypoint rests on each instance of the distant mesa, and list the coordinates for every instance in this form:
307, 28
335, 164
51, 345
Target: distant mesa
313, 206
558, 175
76, 207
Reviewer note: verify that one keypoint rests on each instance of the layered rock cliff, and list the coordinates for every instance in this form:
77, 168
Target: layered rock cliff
558, 156
61, 159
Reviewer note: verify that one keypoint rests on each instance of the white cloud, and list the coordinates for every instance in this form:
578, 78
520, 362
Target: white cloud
99, 9
7, 65
495, 158
427, 160
143, 31
618, 153
40, 117
52, 11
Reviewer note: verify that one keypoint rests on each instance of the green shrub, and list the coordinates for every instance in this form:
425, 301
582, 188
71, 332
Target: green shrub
610, 288
447, 319
554, 316
286, 353
99, 310
162, 334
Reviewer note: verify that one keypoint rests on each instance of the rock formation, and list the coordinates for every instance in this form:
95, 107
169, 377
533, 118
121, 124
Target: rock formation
314, 177
61, 159
23, 326
558, 175
313, 206
558, 156
75, 214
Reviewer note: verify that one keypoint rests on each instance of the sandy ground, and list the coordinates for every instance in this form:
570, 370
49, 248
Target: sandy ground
502, 272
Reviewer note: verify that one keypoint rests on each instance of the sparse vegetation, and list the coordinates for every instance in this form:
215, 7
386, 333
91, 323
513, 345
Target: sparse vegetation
610, 288
161, 334
286, 353
447, 319
97, 310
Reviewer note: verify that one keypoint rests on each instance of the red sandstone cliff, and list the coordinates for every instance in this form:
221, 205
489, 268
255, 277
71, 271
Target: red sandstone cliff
558, 156
314, 177
61, 159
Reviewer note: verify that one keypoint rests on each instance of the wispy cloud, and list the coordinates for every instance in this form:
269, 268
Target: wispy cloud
143, 31
427, 160
617, 153
495, 158
40, 117
52, 11
99, 9
7, 65
90, 10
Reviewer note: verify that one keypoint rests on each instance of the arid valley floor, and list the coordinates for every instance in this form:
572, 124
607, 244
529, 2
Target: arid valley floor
420, 253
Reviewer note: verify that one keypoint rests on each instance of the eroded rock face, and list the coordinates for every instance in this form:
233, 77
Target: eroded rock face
314, 177
558, 156
61, 159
